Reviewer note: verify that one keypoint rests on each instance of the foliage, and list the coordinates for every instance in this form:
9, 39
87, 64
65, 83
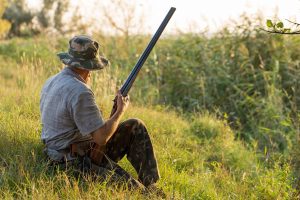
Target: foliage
4, 25
55, 21
247, 149
25, 22
19, 16
58, 17
245, 75
279, 28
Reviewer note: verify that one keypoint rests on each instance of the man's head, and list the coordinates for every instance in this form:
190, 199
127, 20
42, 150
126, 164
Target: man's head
83, 53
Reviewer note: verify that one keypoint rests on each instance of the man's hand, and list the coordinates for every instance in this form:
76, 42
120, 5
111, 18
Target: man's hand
122, 102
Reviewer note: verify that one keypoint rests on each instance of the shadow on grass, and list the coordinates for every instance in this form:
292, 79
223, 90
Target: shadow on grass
25, 171
22, 162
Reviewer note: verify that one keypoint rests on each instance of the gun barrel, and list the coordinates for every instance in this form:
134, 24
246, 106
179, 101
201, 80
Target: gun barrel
131, 78
96, 154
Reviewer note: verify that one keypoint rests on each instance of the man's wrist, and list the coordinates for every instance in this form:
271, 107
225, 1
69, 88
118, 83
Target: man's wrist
119, 111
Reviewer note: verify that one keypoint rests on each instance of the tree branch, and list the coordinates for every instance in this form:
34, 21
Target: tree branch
295, 23
280, 32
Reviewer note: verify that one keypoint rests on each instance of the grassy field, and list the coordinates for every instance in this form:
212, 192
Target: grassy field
204, 150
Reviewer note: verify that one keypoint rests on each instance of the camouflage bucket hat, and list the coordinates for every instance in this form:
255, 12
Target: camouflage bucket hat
83, 53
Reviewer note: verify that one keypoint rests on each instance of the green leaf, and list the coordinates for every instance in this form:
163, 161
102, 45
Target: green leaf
269, 23
279, 25
286, 30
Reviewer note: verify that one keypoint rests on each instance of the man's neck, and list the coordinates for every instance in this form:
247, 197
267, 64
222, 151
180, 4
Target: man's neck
84, 74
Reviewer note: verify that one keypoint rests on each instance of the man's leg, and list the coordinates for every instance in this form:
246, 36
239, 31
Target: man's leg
132, 139
111, 172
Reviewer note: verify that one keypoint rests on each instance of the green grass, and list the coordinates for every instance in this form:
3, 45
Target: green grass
198, 155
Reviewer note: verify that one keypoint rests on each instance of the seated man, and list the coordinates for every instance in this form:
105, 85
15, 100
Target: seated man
72, 122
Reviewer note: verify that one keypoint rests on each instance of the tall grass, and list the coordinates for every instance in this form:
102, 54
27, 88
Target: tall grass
246, 149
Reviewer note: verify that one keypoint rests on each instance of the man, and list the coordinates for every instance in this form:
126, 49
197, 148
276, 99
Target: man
72, 122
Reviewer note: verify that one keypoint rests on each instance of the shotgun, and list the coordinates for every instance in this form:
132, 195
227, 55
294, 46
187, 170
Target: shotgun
97, 151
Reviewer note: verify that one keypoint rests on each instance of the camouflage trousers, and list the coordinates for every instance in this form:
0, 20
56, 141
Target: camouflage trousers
131, 139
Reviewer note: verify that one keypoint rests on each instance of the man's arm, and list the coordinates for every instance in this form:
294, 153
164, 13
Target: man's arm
104, 133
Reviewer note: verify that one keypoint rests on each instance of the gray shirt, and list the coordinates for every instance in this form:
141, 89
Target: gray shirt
69, 113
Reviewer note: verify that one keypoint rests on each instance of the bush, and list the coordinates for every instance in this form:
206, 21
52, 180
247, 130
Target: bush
220, 145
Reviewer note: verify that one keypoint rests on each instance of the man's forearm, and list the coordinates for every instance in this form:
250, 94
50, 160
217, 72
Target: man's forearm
104, 133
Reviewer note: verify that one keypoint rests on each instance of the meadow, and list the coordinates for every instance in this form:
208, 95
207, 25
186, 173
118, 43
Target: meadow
222, 112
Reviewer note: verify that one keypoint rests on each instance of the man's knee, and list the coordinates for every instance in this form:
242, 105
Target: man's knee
135, 122
135, 127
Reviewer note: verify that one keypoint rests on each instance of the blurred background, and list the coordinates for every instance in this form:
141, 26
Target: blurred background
137, 16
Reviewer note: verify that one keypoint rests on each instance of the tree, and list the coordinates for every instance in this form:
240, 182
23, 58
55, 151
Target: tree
49, 17
18, 15
122, 17
4, 24
61, 8
43, 16
55, 21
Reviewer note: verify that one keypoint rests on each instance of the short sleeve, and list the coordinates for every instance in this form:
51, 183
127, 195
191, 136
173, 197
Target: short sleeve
86, 113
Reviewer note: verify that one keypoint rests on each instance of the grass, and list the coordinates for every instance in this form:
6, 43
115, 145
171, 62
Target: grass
200, 154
